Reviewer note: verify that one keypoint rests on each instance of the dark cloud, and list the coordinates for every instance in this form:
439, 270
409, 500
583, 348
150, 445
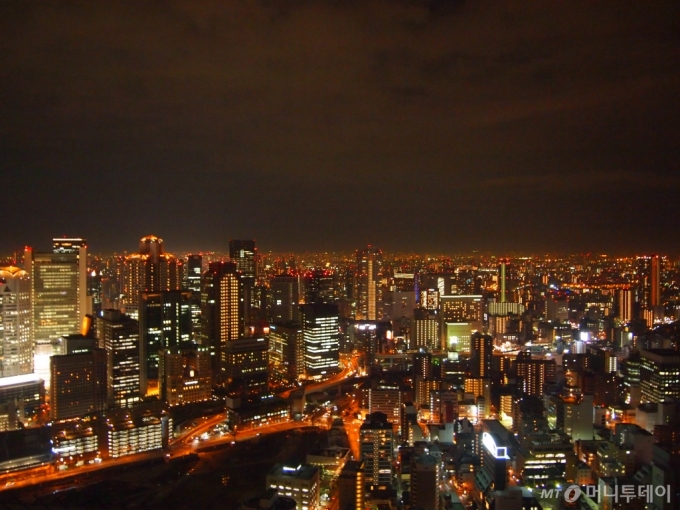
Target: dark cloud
413, 124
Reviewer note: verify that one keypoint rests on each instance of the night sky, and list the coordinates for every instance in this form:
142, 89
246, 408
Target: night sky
438, 125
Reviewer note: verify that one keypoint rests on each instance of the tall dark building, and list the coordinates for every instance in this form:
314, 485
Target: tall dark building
285, 298
368, 272
222, 308
194, 275
119, 335
655, 281
286, 353
164, 322
482, 351
78, 384
319, 286
194, 271
243, 253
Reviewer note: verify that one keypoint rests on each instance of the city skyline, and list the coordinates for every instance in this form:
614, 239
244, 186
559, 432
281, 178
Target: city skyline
325, 126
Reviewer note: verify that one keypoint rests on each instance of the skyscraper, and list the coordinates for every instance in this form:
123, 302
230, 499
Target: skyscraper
286, 353
377, 450
16, 345
194, 274
319, 286
150, 270
460, 316
78, 384
285, 298
194, 271
164, 322
222, 308
351, 486
659, 375
119, 335
58, 297
502, 279
482, 350
185, 374
245, 366
243, 253
535, 372
624, 298
425, 476
655, 281
368, 272
320, 327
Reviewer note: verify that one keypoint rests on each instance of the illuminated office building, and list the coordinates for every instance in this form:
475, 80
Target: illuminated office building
625, 298
21, 396
286, 353
319, 286
377, 450
429, 299
482, 351
368, 273
456, 336
298, 481
149, 270
386, 399
243, 253
164, 322
460, 316
369, 338
78, 384
128, 433
496, 460
119, 335
245, 366
424, 330
222, 309
58, 297
502, 279
535, 373
659, 375
194, 273
194, 270
320, 329
504, 309
16, 344
285, 298
185, 374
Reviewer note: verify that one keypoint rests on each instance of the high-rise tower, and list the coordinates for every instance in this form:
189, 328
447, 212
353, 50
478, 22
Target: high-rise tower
59, 298
368, 272
243, 253
119, 335
16, 346
150, 270
285, 300
222, 308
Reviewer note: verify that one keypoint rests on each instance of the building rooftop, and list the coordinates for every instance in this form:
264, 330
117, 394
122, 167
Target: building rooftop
298, 471
18, 380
